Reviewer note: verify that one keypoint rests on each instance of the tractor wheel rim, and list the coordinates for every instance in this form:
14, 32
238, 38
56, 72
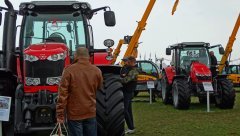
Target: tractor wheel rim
175, 96
164, 89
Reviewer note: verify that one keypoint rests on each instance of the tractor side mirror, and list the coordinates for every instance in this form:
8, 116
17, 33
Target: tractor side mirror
0, 18
168, 51
109, 18
221, 50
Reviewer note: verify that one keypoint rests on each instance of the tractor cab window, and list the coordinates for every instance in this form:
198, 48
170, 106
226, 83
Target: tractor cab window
63, 28
148, 68
188, 55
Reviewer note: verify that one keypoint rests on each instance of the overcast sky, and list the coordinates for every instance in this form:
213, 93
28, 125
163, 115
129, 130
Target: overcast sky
195, 20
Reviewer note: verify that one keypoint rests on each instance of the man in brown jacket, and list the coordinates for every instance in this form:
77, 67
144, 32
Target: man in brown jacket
77, 95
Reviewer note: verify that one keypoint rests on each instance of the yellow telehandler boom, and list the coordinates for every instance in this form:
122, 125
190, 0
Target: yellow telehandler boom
175, 7
132, 41
229, 46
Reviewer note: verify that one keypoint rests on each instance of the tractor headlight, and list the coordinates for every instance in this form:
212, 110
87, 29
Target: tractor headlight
84, 6
22, 6
30, 58
32, 81
56, 57
53, 80
208, 75
76, 6
197, 74
31, 6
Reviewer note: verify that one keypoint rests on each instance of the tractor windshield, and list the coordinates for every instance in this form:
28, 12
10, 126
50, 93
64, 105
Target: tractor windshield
62, 28
188, 55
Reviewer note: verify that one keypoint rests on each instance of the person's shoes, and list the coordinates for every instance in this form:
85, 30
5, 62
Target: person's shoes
129, 131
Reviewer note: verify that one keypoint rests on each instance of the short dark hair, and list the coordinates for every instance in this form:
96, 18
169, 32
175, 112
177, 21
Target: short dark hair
131, 58
82, 52
125, 59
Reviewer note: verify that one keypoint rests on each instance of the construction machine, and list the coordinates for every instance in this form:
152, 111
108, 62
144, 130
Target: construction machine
149, 71
190, 73
233, 72
30, 72
234, 77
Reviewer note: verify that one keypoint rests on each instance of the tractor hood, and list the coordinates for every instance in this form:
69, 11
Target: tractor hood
200, 71
200, 68
43, 50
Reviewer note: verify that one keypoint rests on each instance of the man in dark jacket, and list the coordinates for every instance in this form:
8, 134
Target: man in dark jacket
213, 67
77, 95
129, 83
125, 68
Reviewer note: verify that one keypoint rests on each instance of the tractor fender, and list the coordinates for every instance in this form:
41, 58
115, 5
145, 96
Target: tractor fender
114, 69
8, 82
170, 73
221, 76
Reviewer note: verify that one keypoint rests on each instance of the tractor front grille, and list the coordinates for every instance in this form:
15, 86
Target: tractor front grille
43, 69
204, 77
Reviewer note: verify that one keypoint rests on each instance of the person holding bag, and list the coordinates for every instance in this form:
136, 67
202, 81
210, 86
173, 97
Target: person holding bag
77, 95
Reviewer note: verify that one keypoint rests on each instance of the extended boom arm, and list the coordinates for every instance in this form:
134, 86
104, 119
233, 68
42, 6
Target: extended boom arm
229, 46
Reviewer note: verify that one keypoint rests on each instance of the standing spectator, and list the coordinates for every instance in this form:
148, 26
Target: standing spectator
213, 64
129, 83
125, 68
77, 95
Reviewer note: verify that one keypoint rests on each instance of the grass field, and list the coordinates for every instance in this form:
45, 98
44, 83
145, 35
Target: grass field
158, 119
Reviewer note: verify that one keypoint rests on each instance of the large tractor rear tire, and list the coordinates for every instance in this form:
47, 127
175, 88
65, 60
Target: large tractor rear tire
166, 95
110, 107
225, 97
181, 94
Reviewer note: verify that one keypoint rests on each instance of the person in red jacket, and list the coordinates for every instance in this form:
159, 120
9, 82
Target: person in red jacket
77, 95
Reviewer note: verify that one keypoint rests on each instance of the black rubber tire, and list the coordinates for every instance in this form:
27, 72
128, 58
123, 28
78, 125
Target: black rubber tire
110, 107
225, 97
181, 94
166, 88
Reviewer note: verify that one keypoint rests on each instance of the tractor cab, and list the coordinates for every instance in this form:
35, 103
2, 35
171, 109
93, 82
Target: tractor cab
187, 54
50, 36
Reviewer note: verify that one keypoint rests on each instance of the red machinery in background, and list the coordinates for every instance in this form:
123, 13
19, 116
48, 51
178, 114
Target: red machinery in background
186, 76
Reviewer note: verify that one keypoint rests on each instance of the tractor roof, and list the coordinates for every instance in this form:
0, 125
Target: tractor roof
54, 6
190, 44
54, 3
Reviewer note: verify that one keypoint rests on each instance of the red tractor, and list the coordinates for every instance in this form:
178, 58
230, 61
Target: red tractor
50, 33
189, 70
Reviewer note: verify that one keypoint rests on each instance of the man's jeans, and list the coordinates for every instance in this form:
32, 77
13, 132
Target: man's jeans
86, 127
